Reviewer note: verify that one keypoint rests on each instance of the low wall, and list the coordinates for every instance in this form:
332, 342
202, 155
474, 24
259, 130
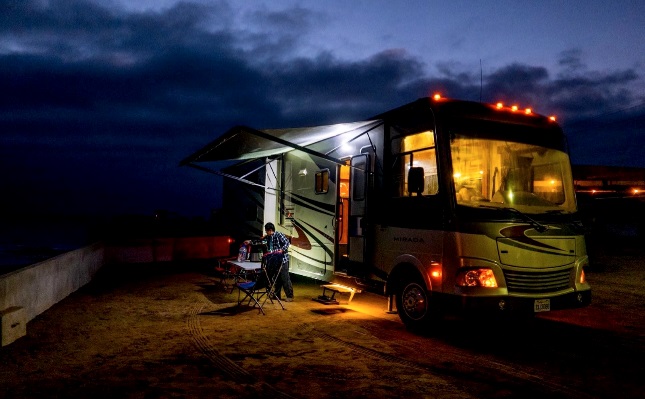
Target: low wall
168, 249
27, 292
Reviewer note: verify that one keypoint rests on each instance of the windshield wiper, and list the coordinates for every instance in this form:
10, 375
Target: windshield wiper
539, 227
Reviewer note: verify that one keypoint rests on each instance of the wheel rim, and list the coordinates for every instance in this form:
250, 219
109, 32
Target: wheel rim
414, 301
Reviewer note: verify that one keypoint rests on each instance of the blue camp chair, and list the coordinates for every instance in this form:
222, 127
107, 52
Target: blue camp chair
252, 288
260, 285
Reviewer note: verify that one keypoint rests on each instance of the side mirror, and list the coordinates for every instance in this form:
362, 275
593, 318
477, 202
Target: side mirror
415, 180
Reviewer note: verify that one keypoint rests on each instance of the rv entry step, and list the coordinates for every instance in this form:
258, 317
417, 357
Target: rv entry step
334, 289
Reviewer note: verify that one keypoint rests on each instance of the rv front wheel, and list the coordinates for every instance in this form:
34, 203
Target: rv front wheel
412, 303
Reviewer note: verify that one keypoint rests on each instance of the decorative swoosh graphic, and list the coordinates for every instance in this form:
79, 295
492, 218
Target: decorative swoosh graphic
301, 241
518, 234
518, 238
314, 261
303, 232
322, 233
311, 204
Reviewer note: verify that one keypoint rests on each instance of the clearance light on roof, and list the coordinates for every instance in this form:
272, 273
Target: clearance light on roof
500, 105
437, 96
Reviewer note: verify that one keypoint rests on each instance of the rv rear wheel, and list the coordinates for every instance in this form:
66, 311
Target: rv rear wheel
412, 303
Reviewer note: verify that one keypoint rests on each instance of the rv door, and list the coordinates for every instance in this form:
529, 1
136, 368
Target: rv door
357, 206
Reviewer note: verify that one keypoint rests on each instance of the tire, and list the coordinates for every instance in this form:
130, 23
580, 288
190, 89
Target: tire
413, 303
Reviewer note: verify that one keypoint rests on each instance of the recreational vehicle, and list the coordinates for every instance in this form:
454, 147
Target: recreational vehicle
441, 204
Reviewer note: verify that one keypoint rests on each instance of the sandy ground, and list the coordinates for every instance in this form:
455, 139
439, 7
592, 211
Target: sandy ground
172, 331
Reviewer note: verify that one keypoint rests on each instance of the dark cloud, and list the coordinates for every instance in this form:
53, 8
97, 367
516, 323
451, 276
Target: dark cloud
98, 105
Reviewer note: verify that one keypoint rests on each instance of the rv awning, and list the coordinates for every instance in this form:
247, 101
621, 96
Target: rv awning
244, 143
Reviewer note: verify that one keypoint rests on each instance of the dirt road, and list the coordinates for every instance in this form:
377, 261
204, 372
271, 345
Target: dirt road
161, 331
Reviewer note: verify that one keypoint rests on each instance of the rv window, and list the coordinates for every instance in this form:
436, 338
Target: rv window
322, 181
414, 151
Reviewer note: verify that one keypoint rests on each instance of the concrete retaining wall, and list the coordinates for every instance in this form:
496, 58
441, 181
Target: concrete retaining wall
27, 292
32, 290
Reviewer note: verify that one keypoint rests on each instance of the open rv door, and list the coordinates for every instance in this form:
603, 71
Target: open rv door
359, 173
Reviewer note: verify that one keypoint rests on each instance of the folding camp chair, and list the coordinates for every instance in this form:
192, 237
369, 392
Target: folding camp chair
224, 274
261, 285
272, 273
253, 288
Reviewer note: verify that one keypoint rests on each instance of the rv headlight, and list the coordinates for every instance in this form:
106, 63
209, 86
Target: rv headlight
483, 277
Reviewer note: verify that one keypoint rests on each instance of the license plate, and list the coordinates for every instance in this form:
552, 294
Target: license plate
542, 305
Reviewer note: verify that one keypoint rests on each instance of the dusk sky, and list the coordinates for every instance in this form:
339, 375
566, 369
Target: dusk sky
101, 99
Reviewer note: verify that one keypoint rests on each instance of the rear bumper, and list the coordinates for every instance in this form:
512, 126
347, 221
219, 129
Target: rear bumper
512, 304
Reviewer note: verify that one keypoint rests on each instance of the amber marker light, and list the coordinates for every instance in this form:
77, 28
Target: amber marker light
514, 108
437, 96
552, 118
499, 105
528, 111
435, 269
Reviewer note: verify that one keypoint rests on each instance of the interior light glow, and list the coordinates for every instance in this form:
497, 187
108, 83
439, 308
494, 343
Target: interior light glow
500, 105
514, 108
528, 111
437, 96
457, 175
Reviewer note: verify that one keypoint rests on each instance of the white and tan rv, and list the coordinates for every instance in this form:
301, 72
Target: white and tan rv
443, 204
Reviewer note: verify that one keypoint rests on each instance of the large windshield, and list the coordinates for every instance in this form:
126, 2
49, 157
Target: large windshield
529, 178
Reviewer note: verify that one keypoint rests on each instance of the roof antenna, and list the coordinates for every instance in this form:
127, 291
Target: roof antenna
481, 80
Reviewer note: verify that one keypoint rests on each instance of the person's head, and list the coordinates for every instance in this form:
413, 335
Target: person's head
269, 228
